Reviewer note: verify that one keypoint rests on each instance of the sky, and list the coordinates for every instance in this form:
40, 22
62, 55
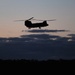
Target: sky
53, 42
61, 10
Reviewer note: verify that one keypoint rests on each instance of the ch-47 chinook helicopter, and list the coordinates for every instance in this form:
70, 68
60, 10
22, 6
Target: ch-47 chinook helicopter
30, 25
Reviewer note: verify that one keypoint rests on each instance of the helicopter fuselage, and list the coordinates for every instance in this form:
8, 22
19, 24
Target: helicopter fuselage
29, 24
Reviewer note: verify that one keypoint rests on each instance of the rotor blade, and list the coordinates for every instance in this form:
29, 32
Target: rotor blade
31, 18
51, 20
24, 20
18, 20
44, 20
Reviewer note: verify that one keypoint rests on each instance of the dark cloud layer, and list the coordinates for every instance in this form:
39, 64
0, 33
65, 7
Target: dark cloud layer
38, 46
42, 31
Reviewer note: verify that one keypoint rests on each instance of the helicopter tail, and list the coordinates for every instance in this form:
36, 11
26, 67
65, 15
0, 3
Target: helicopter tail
45, 22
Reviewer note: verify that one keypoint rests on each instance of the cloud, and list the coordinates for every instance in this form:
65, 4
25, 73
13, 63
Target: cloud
37, 46
43, 31
72, 37
39, 36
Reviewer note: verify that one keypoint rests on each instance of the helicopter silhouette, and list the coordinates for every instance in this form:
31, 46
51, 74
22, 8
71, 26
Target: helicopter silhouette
30, 25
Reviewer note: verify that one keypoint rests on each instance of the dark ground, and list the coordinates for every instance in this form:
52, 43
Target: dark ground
35, 66
36, 62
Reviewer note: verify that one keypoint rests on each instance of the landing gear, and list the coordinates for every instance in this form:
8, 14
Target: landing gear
29, 28
39, 27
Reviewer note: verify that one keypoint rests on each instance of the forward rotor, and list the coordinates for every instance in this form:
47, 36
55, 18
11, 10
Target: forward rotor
36, 19
25, 20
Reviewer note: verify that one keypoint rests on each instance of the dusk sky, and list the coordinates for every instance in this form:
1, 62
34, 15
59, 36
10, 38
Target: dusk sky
61, 10
54, 41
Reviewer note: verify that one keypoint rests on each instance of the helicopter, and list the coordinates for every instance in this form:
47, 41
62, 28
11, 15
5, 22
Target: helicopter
30, 25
